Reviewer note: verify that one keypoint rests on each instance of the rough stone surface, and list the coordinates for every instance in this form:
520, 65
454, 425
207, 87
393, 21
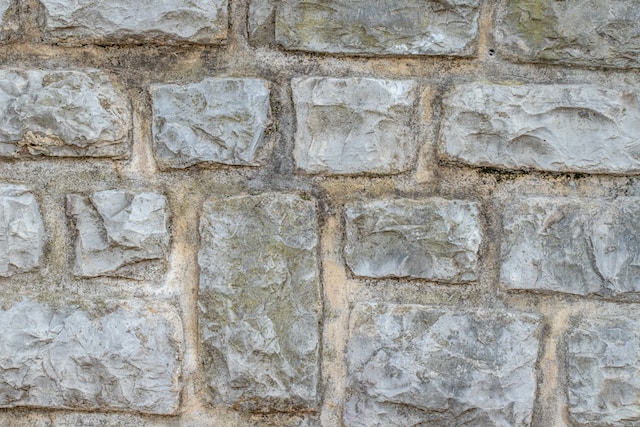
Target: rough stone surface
259, 302
354, 125
118, 230
96, 21
216, 120
415, 365
578, 246
602, 367
433, 239
21, 230
62, 113
125, 356
560, 128
582, 32
400, 27
4, 5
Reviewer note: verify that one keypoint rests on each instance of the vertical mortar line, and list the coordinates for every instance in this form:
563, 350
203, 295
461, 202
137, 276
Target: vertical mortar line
485, 25
141, 164
427, 138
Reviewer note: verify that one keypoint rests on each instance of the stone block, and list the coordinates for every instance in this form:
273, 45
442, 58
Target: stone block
4, 5
432, 239
259, 302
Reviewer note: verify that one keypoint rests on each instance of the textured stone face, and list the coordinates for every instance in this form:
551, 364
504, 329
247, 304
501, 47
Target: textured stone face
96, 21
21, 230
355, 125
560, 128
216, 121
4, 5
435, 239
118, 231
399, 27
62, 113
259, 302
414, 365
583, 32
124, 357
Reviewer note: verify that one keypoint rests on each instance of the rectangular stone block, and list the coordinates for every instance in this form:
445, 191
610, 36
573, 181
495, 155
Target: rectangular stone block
259, 302
213, 121
62, 113
557, 128
416, 365
433, 239
128, 21
119, 355
574, 245
400, 27
580, 32
354, 125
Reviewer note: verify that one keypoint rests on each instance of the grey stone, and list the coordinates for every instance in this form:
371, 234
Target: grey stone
354, 125
397, 27
559, 128
96, 21
123, 356
573, 245
118, 229
433, 239
21, 231
581, 32
216, 121
261, 20
259, 302
416, 365
4, 5
62, 113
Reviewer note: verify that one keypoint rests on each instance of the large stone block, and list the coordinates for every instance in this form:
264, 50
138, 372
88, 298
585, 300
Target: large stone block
578, 246
559, 128
118, 232
400, 27
116, 356
582, 32
415, 365
21, 230
260, 302
214, 121
433, 239
130, 21
62, 113
354, 125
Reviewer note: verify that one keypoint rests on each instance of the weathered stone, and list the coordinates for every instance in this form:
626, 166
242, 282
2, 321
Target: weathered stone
261, 20
96, 21
398, 27
216, 120
122, 355
578, 246
602, 366
560, 128
21, 231
355, 125
433, 239
259, 302
582, 32
62, 113
4, 5
117, 231
416, 365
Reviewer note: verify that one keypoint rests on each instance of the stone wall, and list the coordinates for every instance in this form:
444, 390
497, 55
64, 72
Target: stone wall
319, 213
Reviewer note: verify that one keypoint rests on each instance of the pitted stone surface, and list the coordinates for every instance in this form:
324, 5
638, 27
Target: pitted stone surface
354, 125
582, 32
4, 5
559, 128
122, 356
96, 21
62, 113
215, 121
21, 230
578, 246
398, 27
416, 365
118, 231
259, 302
432, 239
